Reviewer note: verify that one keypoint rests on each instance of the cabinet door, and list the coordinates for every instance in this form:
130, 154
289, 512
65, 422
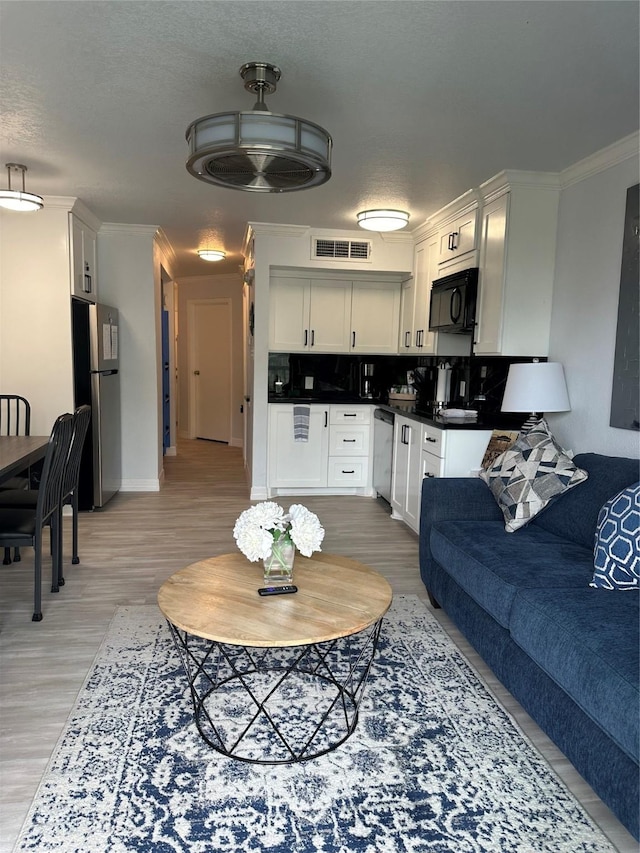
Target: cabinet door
426, 270
289, 315
405, 338
83, 259
488, 337
298, 464
404, 480
329, 316
375, 310
458, 237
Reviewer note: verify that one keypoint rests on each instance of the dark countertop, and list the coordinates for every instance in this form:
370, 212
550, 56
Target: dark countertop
408, 410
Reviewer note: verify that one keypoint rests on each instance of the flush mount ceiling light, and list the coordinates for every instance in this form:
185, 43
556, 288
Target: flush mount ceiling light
19, 199
212, 254
257, 150
383, 220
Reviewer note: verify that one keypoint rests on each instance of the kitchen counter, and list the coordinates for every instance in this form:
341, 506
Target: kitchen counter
408, 409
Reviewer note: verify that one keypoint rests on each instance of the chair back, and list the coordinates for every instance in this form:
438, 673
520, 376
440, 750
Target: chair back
15, 415
53, 469
71, 474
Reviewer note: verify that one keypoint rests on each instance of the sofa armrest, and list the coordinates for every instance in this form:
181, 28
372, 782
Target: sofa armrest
452, 499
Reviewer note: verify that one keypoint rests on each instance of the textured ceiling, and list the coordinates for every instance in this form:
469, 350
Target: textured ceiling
423, 100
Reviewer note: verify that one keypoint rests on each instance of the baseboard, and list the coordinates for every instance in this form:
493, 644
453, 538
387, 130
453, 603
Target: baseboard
171, 451
140, 486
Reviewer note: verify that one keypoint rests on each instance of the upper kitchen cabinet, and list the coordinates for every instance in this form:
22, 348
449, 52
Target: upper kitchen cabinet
375, 312
517, 258
333, 315
458, 238
83, 259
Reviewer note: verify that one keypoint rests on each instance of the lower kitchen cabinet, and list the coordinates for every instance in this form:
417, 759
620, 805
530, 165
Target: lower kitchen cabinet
421, 450
405, 479
336, 459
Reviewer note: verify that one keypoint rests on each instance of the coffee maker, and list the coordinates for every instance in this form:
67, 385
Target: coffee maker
366, 380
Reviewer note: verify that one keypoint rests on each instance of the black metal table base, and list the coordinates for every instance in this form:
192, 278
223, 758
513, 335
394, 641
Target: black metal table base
277, 705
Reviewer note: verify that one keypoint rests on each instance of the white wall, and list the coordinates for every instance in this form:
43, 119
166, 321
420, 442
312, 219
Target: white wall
211, 287
35, 310
585, 302
128, 282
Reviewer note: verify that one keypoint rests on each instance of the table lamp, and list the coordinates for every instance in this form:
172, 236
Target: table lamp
535, 387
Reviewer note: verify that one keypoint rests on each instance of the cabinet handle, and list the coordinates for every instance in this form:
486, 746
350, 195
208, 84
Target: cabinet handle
306, 337
350, 414
450, 242
348, 440
313, 336
326, 419
407, 339
348, 472
428, 438
353, 341
429, 475
420, 337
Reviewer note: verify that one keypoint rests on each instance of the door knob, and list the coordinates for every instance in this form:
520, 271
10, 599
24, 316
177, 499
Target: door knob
196, 373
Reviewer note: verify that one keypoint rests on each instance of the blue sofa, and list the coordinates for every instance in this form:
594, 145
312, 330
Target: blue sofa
569, 653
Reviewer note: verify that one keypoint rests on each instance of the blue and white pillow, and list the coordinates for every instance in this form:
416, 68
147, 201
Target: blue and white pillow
616, 555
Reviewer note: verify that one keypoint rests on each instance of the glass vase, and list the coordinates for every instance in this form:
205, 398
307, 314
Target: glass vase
278, 566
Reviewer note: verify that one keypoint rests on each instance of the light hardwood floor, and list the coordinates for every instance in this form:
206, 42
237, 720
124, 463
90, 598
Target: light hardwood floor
127, 551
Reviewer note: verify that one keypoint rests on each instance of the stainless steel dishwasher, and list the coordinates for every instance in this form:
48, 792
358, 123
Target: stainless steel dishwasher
382, 452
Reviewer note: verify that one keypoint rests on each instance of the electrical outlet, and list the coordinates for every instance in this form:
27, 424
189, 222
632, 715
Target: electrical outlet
308, 383
483, 371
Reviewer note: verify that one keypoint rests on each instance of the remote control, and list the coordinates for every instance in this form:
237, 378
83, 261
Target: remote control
277, 590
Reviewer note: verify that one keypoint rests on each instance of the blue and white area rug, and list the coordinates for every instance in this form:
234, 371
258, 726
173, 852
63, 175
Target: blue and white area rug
435, 764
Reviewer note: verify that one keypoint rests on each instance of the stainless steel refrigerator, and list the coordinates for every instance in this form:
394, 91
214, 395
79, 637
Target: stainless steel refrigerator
96, 364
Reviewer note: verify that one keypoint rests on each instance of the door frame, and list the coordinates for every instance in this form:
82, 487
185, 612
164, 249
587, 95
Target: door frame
192, 307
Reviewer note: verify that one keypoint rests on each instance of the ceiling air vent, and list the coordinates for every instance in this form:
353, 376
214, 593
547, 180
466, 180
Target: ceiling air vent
348, 250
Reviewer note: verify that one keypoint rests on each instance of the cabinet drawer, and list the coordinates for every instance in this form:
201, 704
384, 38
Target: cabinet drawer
431, 465
344, 471
433, 440
349, 441
350, 414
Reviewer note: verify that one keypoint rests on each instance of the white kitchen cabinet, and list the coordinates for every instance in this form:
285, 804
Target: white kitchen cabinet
375, 309
517, 261
83, 266
307, 315
406, 479
298, 464
457, 238
335, 460
333, 315
452, 452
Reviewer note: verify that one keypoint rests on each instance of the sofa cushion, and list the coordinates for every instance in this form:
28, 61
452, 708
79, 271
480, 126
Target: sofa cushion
527, 477
491, 565
616, 555
586, 640
575, 516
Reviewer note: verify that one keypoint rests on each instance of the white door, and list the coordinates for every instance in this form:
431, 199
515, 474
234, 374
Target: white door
210, 335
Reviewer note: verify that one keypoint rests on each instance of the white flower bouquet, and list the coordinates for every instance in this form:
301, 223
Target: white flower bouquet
266, 524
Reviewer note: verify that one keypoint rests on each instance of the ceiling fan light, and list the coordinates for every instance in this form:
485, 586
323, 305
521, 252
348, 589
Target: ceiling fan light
212, 254
383, 220
19, 200
257, 150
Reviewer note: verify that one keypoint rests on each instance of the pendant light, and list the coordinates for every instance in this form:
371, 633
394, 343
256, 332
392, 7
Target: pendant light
257, 150
383, 220
19, 200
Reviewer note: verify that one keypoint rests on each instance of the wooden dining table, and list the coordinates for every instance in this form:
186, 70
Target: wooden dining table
18, 452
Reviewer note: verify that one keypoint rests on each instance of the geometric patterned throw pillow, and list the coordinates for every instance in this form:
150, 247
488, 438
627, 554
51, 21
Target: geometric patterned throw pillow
532, 473
616, 555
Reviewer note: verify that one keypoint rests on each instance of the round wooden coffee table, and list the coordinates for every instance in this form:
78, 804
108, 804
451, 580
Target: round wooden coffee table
276, 679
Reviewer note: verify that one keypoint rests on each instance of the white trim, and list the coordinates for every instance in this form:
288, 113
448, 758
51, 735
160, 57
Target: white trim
236, 442
140, 486
126, 228
604, 159
258, 494
171, 451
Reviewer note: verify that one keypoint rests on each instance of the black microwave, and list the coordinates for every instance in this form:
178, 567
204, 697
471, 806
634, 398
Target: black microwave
453, 302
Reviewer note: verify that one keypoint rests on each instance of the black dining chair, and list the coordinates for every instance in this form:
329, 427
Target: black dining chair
21, 526
15, 419
27, 499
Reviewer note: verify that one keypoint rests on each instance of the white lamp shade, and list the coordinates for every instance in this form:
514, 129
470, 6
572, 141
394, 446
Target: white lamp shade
536, 387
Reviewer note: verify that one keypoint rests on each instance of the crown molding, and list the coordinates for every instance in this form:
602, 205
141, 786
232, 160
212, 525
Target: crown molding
618, 152
134, 230
275, 229
165, 246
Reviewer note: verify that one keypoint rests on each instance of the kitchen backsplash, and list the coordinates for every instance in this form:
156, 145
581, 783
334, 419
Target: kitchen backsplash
476, 382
